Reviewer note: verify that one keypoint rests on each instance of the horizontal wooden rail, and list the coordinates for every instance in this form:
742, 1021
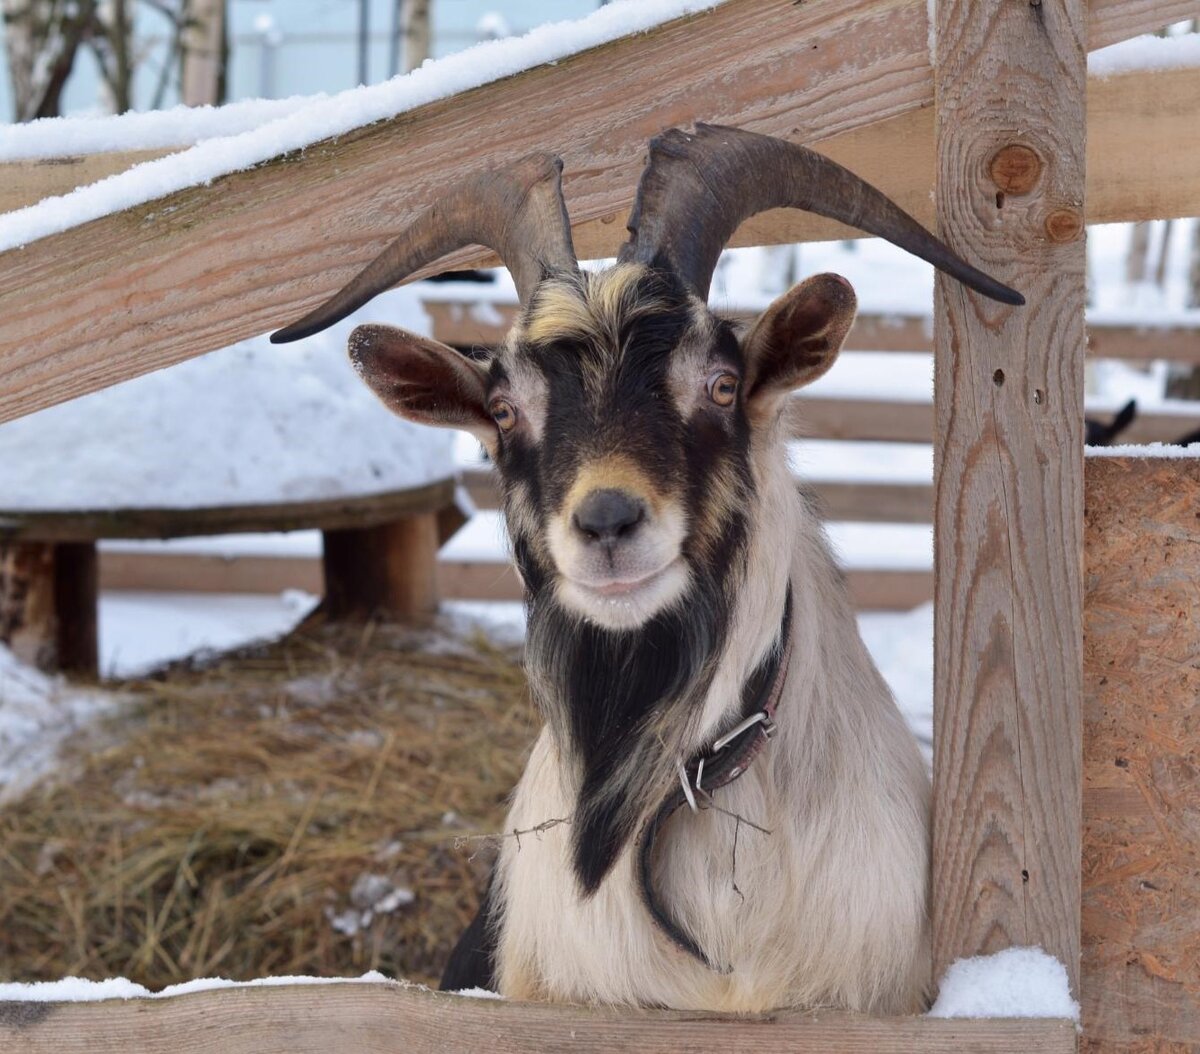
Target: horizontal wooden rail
207, 266
394, 1019
870, 502
912, 422
485, 325
371, 510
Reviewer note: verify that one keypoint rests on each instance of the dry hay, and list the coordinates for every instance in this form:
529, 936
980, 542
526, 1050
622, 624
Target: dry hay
264, 815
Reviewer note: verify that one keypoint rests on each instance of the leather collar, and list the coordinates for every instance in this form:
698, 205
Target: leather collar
725, 761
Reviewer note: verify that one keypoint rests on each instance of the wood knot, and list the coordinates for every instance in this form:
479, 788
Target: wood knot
1064, 225
1015, 169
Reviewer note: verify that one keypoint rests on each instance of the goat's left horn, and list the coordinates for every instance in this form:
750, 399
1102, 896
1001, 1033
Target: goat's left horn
698, 188
517, 211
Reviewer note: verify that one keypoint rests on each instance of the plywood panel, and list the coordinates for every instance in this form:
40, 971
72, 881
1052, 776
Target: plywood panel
1141, 761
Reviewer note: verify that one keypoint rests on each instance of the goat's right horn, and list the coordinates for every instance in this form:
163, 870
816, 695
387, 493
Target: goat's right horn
517, 211
700, 186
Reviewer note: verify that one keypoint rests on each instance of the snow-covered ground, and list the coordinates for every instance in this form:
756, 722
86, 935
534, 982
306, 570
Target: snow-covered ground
36, 714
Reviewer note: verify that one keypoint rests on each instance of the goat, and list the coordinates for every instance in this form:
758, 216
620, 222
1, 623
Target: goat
1099, 433
683, 607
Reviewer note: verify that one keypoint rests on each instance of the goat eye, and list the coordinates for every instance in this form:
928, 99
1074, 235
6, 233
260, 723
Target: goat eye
503, 413
722, 388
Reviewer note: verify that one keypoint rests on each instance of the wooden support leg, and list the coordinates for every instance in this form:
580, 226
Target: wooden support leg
48, 605
388, 571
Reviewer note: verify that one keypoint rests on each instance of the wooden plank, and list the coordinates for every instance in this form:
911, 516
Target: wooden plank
871, 589
24, 183
912, 422
327, 514
48, 605
1141, 779
485, 325
389, 1019
867, 502
386, 571
202, 268
1008, 506
175, 572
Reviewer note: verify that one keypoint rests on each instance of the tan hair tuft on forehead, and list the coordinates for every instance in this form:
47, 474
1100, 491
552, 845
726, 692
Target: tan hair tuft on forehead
597, 308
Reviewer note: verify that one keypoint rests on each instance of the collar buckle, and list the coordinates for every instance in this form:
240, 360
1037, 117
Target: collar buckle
759, 717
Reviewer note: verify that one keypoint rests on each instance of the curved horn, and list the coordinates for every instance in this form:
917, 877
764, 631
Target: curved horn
517, 211
698, 188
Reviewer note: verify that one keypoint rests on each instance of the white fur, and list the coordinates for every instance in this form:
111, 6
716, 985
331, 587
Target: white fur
829, 908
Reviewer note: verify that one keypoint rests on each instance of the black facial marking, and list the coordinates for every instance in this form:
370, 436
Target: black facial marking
609, 694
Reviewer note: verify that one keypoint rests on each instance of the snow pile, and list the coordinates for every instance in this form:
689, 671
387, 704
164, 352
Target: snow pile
253, 423
78, 990
1146, 53
1017, 982
335, 115
37, 713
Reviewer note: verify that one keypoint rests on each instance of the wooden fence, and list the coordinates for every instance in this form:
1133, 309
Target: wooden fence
213, 264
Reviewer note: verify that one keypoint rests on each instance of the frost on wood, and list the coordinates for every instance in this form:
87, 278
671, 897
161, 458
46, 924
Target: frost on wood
251, 424
337, 115
1017, 982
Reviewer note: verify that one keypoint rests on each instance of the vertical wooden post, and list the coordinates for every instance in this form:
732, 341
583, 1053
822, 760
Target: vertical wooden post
1010, 77
48, 605
390, 570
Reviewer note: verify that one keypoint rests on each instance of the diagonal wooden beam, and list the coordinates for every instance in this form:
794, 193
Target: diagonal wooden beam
157, 284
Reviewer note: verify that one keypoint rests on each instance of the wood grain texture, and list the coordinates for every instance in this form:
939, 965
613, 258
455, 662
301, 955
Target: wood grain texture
1141, 757
24, 183
1008, 504
389, 1019
198, 270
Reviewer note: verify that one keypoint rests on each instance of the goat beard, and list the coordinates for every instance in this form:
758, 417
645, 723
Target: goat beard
623, 706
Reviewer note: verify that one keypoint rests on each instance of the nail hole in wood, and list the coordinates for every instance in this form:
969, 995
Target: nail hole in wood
999, 199
998, 378
1024, 876
1039, 396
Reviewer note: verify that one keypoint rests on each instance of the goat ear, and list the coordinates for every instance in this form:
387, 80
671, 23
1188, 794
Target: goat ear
423, 380
796, 339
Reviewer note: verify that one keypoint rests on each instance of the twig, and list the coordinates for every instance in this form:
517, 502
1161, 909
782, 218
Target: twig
463, 840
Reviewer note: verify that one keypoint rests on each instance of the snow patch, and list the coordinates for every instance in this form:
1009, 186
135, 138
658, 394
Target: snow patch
477, 993
1164, 450
1017, 982
1146, 53
323, 118
79, 990
37, 713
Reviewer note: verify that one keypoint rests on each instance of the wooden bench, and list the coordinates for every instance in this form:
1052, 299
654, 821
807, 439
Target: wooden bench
378, 557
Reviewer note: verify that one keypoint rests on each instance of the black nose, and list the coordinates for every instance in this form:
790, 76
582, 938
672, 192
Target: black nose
608, 515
